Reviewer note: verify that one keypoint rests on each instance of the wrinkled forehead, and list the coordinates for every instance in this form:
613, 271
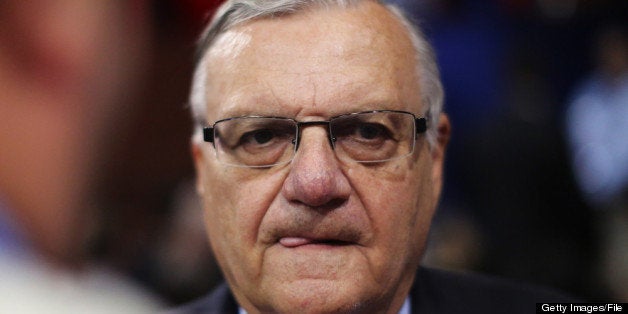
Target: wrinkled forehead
356, 48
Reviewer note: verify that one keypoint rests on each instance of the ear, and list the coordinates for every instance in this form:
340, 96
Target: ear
438, 153
199, 164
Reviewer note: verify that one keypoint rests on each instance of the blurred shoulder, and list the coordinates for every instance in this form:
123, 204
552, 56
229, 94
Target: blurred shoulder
218, 301
439, 291
28, 285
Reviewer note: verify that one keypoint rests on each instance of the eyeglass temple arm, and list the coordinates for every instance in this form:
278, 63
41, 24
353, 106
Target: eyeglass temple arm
208, 134
421, 125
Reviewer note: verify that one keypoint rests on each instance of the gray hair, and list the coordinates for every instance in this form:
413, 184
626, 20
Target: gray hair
236, 12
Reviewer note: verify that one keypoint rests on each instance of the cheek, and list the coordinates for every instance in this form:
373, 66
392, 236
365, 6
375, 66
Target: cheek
233, 213
400, 208
389, 193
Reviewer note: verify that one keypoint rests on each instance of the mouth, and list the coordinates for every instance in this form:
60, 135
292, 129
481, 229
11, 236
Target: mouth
294, 242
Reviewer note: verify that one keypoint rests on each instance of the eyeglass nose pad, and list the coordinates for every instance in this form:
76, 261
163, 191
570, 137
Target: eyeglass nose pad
295, 141
332, 142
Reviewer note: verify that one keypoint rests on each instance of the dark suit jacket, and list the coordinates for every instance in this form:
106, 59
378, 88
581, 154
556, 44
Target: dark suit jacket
434, 291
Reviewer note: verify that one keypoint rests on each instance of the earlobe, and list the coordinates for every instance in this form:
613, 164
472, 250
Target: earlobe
444, 133
199, 162
438, 153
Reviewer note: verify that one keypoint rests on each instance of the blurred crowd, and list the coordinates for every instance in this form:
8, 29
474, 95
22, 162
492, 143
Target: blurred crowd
536, 91
95, 172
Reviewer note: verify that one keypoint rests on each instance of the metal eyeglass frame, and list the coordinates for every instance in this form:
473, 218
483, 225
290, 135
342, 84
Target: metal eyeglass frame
420, 123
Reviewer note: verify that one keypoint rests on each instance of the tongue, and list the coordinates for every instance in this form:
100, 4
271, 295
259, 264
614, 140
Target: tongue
294, 242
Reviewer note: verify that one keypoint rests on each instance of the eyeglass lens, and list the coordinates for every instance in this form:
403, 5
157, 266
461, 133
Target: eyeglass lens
362, 137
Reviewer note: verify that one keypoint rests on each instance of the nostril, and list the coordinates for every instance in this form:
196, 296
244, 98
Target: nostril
322, 208
329, 206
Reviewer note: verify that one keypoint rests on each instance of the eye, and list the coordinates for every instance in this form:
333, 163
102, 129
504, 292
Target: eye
263, 136
364, 132
258, 137
370, 131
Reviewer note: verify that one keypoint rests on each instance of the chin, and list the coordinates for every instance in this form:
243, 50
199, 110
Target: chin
324, 296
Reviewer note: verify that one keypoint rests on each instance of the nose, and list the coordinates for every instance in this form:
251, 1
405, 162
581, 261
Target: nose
316, 178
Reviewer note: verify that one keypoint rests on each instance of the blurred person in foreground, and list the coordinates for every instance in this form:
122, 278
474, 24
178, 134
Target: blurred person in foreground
61, 72
319, 151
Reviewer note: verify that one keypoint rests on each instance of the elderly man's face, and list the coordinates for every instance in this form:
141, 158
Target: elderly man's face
318, 234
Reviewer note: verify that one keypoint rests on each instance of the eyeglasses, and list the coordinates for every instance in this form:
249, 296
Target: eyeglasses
366, 137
